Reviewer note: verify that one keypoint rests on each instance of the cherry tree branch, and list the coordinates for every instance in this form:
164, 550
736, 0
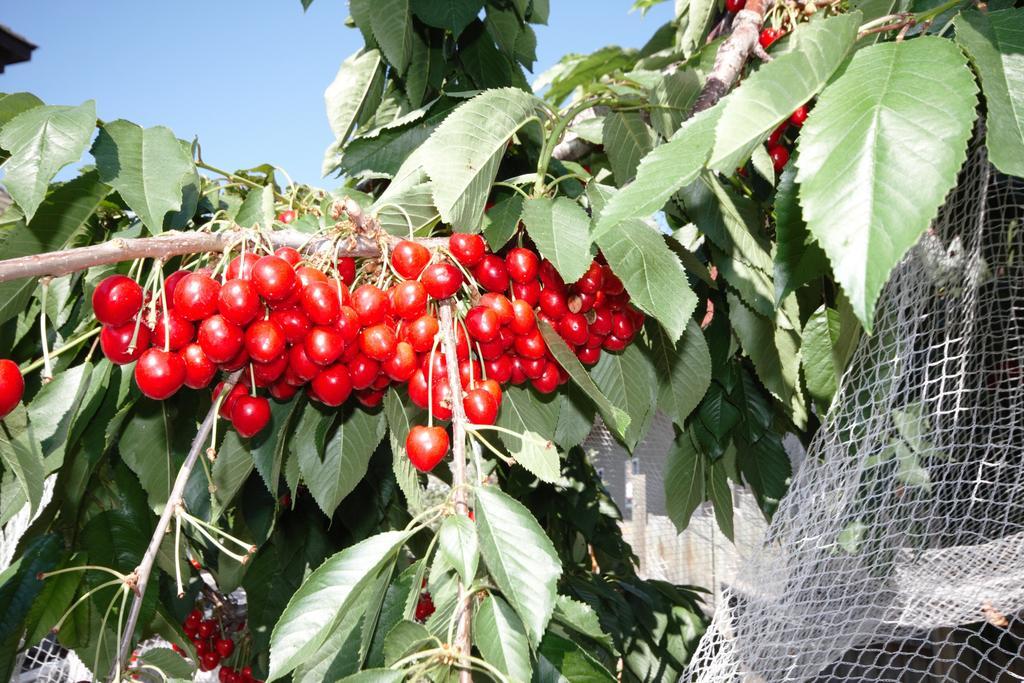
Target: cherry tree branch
733, 54
463, 647
141, 574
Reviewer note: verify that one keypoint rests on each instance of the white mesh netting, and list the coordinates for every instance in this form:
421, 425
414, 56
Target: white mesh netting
898, 553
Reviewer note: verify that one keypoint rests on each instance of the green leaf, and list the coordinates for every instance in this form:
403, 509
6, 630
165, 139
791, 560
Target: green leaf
538, 456
350, 97
770, 94
851, 536
154, 448
694, 35
775, 352
499, 635
995, 43
561, 231
721, 497
672, 98
411, 209
269, 447
627, 139
401, 415
19, 586
563, 661
323, 597
501, 220
12, 104
457, 542
576, 70
613, 416
525, 411
765, 466
651, 273
453, 15
581, 617
168, 661
901, 110
257, 209
53, 409
463, 154
391, 23
64, 211
43, 140
662, 173
346, 458
819, 359
405, 638
149, 168
628, 380
798, 258
231, 468
575, 418
519, 556
20, 454
683, 370
685, 474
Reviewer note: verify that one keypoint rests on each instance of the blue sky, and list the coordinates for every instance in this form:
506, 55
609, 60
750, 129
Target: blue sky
246, 77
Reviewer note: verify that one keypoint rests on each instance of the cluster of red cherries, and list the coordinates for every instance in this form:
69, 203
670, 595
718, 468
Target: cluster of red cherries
291, 324
777, 147
214, 647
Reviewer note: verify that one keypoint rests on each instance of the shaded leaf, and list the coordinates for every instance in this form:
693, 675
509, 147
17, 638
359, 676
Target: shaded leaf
627, 379
683, 370
499, 635
685, 474
457, 542
627, 139
561, 231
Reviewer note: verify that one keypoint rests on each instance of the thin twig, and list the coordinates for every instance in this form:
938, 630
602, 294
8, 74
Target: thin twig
142, 572
448, 334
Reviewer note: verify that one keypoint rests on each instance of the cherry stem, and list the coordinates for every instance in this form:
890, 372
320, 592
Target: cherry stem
177, 550
47, 366
77, 341
501, 456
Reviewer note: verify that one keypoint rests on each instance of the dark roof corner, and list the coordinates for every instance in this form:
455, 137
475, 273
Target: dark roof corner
13, 48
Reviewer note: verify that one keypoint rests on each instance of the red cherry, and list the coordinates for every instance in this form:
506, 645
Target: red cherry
769, 36
324, 345
779, 156
332, 386
193, 618
199, 369
171, 283
531, 345
202, 646
501, 306
172, 330
522, 265
436, 360
115, 342
588, 355
237, 362
553, 304
347, 324
301, 364
12, 386
267, 373
225, 674
282, 391
240, 267
220, 338
441, 399
293, 322
549, 276
409, 299
424, 607
491, 273
612, 284
377, 342
371, 304
602, 323
734, 6
264, 341
347, 269
195, 297
320, 302
363, 370
491, 386
239, 301
308, 275
592, 280
289, 254
798, 116
116, 300
441, 280
573, 329
274, 277
229, 401
286, 217
467, 249
499, 369
533, 367
523, 319
409, 259
622, 326
480, 407
426, 446
419, 393
249, 415
402, 362
159, 373
528, 291
209, 661
421, 332
548, 381
482, 323
613, 343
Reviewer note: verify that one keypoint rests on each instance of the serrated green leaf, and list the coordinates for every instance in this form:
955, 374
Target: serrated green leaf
453, 15
501, 638
19, 586
694, 34
900, 110
581, 617
765, 466
520, 557
662, 173
685, 474
21, 455
575, 70
154, 448
375, 676
410, 211
627, 379
818, 356
345, 459
770, 94
53, 409
851, 536
538, 456
575, 418
257, 209
995, 43
672, 98
798, 258
391, 23
614, 417
627, 139
169, 662
149, 167
561, 231
563, 661
42, 140
457, 541
321, 600
525, 411
64, 211
775, 352
349, 99
403, 639
501, 220
651, 273
12, 104
270, 445
401, 415
463, 154
683, 370
720, 495
231, 468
